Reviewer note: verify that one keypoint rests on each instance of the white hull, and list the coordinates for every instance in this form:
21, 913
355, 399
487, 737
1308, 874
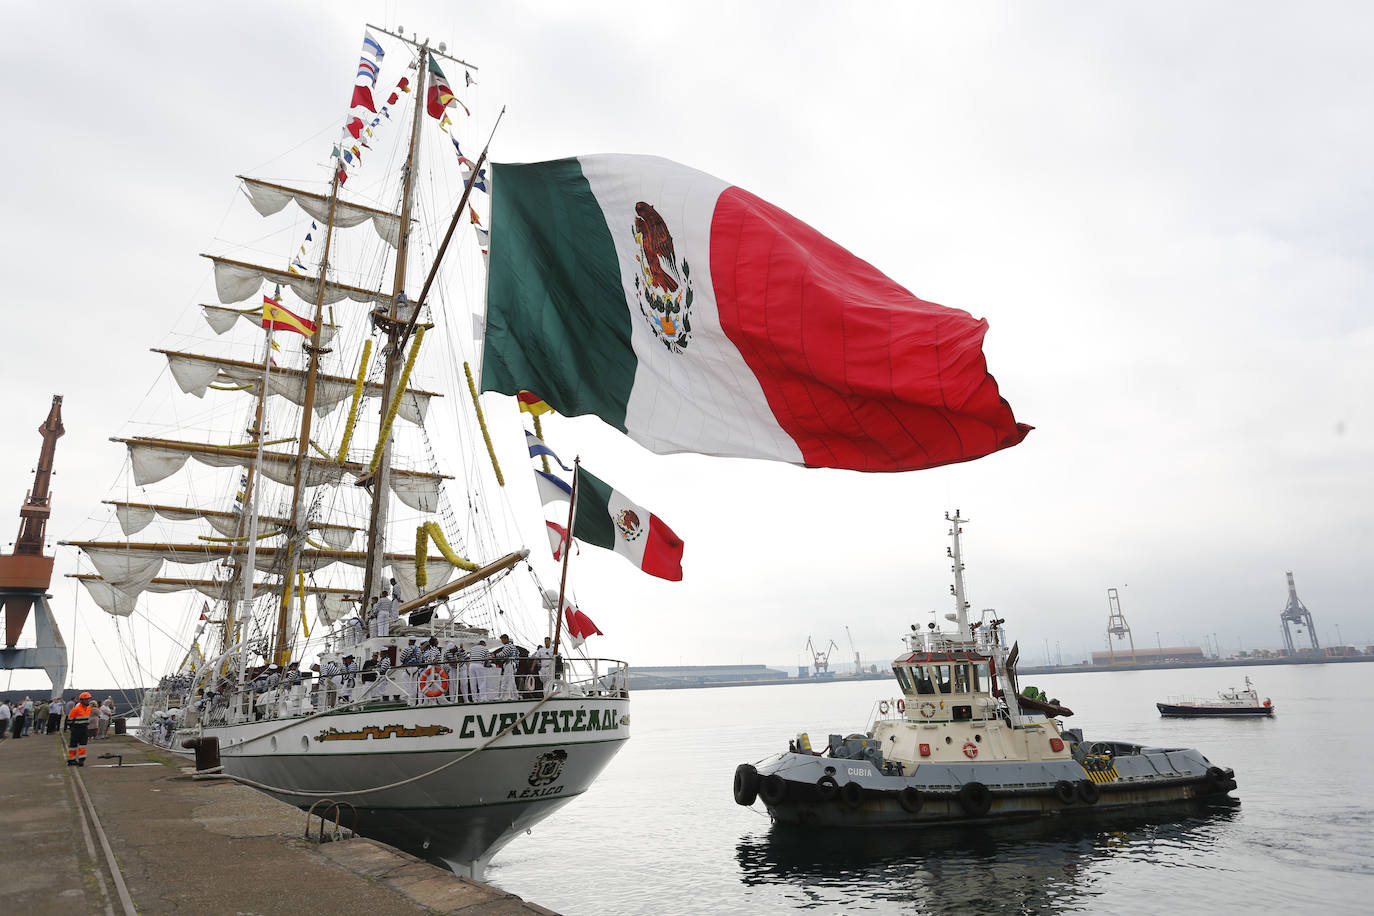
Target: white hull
436, 781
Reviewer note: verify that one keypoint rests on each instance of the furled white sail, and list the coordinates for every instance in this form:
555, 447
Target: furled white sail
154, 460
268, 198
438, 572
119, 602
134, 517
236, 281
195, 373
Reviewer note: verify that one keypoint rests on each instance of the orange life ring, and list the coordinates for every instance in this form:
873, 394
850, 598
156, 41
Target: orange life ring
901, 705
434, 681
970, 750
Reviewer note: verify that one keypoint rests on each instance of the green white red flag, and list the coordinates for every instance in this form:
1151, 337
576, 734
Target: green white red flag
696, 317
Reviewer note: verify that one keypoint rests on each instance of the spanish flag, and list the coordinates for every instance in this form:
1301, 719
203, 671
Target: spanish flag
278, 318
532, 403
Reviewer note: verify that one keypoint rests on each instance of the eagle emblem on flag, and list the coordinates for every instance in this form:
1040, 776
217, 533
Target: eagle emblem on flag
628, 524
664, 288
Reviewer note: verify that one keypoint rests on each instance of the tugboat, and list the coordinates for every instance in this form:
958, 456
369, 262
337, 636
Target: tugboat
1230, 702
963, 744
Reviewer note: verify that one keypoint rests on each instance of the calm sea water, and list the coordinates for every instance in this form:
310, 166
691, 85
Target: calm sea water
660, 832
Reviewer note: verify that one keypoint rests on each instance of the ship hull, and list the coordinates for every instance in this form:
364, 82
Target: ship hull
857, 794
435, 781
1183, 711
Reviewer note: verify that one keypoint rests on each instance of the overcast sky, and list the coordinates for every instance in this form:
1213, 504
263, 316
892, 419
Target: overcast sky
1162, 210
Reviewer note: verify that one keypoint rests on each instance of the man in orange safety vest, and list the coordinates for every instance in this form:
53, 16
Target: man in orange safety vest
79, 720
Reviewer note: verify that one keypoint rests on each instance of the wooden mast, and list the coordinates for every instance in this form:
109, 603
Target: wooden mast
390, 324
282, 643
247, 514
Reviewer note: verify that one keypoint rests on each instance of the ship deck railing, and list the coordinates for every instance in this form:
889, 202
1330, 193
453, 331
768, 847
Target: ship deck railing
400, 686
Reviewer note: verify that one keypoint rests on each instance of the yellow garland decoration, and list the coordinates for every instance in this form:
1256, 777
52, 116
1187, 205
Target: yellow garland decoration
482, 422
423, 535
300, 590
539, 432
357, 396
396, 400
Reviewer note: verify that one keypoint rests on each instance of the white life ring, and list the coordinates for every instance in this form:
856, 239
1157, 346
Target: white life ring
928, 710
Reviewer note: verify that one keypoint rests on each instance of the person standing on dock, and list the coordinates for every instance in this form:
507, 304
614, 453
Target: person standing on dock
79, 722
5, 714
17, 719
55, 716
40, 718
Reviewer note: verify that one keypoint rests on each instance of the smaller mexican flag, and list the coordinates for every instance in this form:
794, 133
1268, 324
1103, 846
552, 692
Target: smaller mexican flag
605, 518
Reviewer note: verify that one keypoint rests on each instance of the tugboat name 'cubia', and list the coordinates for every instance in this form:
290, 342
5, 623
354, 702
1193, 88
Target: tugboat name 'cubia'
963, 744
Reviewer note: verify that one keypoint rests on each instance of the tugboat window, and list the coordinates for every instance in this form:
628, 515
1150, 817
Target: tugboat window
961, 679
980, 676
942, 677
902, 679
923, 682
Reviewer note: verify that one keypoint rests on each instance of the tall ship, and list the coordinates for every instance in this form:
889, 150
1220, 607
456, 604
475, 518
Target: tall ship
963, 743
365, 635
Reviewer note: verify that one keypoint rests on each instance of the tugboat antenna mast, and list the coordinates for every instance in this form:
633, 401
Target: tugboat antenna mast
956, 554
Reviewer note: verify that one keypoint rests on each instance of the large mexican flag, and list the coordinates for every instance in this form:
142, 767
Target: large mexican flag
696, 317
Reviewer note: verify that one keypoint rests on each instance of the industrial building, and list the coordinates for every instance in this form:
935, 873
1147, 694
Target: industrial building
695, 675
1145, 656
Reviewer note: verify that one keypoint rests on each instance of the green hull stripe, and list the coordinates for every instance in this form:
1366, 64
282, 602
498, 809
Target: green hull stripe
557, 320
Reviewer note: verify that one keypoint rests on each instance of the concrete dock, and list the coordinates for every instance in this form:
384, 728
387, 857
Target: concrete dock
145, 837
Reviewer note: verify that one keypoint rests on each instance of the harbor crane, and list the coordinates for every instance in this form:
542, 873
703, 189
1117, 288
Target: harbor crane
821, 660
26, 574
1296, 613
858, 665
1117, 625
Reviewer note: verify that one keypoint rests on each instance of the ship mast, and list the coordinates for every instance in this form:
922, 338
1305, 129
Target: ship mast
245, 573
392, 324
294, 530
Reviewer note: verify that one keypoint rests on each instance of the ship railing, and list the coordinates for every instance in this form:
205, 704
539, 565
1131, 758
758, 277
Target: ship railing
417, 685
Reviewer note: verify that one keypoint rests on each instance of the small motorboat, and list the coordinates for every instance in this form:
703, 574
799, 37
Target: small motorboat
1231, 702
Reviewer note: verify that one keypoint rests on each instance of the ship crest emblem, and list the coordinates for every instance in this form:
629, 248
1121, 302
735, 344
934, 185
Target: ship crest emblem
662, 285
628, 524
548, 767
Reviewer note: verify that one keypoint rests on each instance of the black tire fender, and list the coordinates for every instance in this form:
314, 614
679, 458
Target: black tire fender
976, 799
772, 789
910, 799
746, 784
1065, 791
827, 789
1088, 792
852, 794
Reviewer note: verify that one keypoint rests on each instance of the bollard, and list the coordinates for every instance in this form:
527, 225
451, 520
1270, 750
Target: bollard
207, 752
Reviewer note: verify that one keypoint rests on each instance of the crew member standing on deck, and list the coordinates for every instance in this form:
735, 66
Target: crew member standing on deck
506, 655
80, 719
410, 657
477, 671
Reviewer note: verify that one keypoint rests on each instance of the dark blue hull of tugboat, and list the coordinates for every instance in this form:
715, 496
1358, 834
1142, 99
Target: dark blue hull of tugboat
1194, 712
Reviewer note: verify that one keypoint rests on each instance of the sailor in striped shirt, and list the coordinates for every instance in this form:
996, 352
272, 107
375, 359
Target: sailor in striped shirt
477, 671
507, 654
410, 656
457, 658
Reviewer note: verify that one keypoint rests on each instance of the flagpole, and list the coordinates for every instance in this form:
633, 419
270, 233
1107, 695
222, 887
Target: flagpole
567, 550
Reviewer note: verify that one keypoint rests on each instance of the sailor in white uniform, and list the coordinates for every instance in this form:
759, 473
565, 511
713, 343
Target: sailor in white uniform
477, 671
409, 658
545, 655
507, 655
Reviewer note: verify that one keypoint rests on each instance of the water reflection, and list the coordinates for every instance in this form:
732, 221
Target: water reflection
1035, 866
